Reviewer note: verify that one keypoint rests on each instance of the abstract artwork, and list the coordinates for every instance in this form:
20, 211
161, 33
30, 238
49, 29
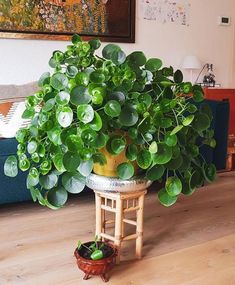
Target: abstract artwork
166, 11
110, 20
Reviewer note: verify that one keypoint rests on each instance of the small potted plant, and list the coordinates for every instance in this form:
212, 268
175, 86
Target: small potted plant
95, 258
116, 115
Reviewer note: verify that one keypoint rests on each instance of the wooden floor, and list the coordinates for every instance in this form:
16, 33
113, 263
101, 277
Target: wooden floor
191, 243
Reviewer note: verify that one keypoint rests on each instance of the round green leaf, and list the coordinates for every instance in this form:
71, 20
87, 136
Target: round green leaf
80, 95
163, 155
58, 162
96, 123
173, 186
74, 143
186, 189
178, 76
109, 49
32, 147
57, 197
97, 254
170, 140
49, 105
71, 161
153, 64
137, 58
131, 152
48, 181
209, 171
118, 57
128, 116
10, 166
125, 170
165, 199
62, 98
65, 117
95, 43
112, 108
175, 163
85, 167
201, 122
144, 159
59, 81
89, 136
97, 76
85, 113
118, 144
73, 182
101, 140
196, 179
155, 173
54, 136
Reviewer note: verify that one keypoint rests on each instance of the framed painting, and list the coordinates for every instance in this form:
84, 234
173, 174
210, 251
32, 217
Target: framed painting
109, 20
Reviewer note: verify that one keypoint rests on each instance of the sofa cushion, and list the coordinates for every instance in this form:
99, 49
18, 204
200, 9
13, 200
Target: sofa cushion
8, 147
12, 106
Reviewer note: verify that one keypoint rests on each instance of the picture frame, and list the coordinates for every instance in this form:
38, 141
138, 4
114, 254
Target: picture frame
108, 20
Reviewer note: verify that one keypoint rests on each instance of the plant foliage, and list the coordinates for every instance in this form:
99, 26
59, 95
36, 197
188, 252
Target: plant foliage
124, 103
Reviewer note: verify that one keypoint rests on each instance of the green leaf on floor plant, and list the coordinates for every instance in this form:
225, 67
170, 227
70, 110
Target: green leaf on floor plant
112, 108
57, 197
131, 152
85, 113
65, 117
165, 199
173, 186
188, 120
125, 170
48, 181
128, 116
71, 161
59, 81
178, 76
176, 129
163, 155
144, 159
73, 182
85, 167
209, 171
153, 64
155, 173
10, 166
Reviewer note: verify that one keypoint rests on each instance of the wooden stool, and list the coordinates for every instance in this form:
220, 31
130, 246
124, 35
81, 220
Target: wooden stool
119, 204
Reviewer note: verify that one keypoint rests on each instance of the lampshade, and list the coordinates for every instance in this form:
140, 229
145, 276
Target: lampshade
191, 62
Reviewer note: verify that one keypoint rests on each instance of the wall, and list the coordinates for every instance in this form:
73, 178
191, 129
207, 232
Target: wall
22, 61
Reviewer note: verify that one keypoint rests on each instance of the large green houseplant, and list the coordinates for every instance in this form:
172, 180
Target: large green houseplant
126, 104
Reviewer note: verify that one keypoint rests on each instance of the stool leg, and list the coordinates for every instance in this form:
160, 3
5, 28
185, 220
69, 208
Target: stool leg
139, 227
98, 214
118, 227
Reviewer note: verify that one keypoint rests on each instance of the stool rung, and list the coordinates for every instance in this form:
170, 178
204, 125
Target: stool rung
130, 237
107, 222
131, 209
127, 221
107, 208
106, 236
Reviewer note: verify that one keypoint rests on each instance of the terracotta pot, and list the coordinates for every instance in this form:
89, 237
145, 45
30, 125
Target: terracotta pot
96, 267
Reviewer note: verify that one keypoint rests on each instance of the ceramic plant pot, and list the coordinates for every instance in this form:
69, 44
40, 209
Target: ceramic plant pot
96, 267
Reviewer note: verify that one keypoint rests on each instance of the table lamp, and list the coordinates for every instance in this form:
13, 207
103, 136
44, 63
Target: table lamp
191, 62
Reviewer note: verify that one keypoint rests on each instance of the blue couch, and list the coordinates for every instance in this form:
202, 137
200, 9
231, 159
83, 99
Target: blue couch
14, 190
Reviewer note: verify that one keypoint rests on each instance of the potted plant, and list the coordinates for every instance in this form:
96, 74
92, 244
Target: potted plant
126, 112
95, 258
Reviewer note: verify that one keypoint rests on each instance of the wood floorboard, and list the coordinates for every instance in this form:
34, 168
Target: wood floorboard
191, 243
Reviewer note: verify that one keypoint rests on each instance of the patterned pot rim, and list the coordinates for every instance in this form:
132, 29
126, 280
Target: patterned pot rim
114, 184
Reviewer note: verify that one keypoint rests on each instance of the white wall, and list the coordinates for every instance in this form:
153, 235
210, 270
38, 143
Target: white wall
22, 61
